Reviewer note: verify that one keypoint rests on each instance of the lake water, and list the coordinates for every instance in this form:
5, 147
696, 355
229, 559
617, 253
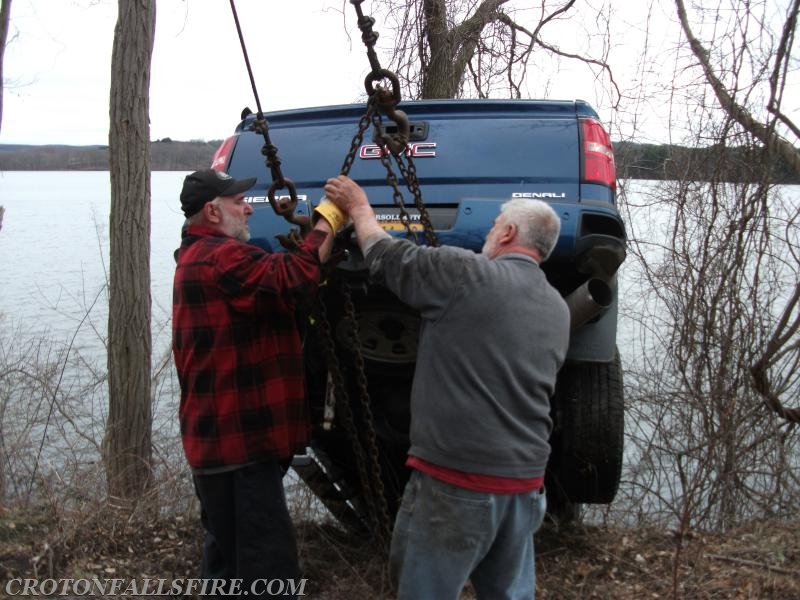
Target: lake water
54, 256
53, 314
54, 253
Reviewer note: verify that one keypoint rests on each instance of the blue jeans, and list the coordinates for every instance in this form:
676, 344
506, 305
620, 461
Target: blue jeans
249, 532
445, 535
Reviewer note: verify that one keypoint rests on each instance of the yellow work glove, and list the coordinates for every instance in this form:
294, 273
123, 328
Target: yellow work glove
335, 217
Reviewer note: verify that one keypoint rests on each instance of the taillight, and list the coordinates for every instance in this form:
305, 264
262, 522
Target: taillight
598, 155
223, 154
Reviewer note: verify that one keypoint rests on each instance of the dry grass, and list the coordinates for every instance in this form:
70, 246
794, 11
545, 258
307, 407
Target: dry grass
759, 562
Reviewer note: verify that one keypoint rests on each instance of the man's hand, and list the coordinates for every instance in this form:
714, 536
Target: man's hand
347, 195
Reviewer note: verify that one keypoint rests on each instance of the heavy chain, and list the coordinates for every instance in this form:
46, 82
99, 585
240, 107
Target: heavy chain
364, 443
385, 100
409, 172
378, 508
382, 509
394, 146
345, 415
355, 144
370, 480
391, 179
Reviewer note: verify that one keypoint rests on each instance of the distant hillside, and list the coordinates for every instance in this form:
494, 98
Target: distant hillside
165, 155
722, 163
634, 161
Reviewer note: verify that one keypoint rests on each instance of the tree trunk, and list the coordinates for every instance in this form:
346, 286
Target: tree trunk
452, 49
5, 19
127, 444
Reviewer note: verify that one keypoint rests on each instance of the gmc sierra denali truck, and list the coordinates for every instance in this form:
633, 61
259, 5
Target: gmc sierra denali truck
470, 156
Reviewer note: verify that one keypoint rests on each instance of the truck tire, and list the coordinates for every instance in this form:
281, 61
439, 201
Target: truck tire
587, 441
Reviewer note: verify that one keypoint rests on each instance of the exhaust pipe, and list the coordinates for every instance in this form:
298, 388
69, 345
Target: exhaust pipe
588, 301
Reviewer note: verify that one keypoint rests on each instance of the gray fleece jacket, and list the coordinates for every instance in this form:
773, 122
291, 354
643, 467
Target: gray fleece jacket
494, 335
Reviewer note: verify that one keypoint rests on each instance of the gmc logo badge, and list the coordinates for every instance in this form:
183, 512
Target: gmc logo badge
413, 149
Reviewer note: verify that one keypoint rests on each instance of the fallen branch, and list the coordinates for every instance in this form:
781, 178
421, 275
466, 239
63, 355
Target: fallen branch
752, 563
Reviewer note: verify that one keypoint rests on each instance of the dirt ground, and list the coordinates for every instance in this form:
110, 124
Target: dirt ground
575, 562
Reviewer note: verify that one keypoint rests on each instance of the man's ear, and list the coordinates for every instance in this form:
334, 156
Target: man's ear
211, 213
508, 234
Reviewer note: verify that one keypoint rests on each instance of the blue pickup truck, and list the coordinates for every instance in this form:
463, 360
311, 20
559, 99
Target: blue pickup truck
470, 156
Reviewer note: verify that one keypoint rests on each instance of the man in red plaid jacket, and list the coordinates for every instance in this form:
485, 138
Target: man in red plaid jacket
238, 354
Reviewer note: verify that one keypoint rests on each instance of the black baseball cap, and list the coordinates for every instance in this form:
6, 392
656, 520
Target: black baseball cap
205, 185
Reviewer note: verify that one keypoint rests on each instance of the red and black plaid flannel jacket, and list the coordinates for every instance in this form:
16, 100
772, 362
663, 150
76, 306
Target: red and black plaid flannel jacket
237, 348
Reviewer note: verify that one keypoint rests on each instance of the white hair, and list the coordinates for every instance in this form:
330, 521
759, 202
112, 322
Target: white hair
537, 223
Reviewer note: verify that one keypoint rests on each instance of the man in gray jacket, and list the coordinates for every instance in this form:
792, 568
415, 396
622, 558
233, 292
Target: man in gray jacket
494, 336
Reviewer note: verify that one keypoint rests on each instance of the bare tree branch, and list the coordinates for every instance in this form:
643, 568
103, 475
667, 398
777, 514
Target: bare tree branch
752, 563
779, 345
782, 334
444, 48
784, 49
535, 39
736, 111
778, 78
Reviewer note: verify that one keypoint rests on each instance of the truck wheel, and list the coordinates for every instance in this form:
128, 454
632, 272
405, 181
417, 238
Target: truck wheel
588, 432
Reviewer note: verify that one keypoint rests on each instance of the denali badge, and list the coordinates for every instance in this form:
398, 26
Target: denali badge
538, 195
413, 149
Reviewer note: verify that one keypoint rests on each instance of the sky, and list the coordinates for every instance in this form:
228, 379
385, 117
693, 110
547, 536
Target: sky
58, 62
303, 53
